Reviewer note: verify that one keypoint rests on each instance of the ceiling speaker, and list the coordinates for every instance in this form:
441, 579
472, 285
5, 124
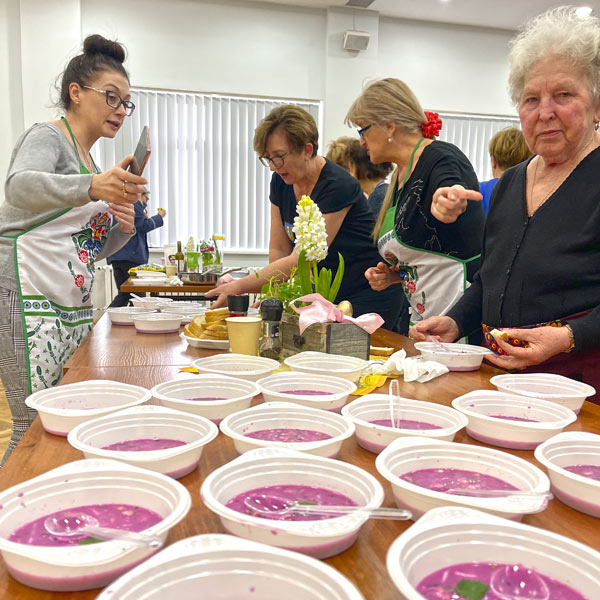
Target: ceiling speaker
356, 40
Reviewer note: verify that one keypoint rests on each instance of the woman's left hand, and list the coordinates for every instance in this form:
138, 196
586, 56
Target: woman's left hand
449, 203
542, 343
124, 215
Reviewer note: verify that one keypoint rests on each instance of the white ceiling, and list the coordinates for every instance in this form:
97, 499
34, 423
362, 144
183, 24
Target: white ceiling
503, 14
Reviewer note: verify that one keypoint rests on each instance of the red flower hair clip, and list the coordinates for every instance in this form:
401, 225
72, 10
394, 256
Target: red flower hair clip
432, 127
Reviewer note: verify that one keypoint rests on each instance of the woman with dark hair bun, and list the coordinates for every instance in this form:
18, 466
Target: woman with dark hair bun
60, 215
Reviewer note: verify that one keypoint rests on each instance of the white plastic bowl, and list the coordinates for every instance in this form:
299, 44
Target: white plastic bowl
80, 483
286, 415
272, 389
278, 466
157, 322
150, 302
62, 407
375, 407
195, 342
122, 315
462, 357
181, 307
545, 386
242, 366
448, 536
147, 422
175, 394
321, 363
405, 455
224, 566
549, 418
565, 450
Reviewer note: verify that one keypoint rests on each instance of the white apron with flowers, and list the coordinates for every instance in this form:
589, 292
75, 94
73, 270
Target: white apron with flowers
432, 282
55, 274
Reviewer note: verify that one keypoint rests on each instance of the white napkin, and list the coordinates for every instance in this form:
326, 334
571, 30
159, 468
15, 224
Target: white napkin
413, 368
174, 280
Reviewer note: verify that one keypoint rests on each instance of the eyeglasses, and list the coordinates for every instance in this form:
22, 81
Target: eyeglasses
114, 100
276, 161
362, 130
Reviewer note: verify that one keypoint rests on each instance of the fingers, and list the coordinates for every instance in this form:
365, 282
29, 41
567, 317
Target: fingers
124, 215
211, 293
450, 202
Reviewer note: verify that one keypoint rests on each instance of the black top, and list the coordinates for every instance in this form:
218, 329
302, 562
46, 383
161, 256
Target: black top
336, 189
544, 267
440, 165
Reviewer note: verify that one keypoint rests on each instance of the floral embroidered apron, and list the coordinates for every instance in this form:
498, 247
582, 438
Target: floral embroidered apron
55, 273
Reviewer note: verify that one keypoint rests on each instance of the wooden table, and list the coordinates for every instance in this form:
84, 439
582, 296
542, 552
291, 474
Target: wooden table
151, 359
187, 291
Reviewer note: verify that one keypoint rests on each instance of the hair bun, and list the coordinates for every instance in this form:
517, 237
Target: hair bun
97, 44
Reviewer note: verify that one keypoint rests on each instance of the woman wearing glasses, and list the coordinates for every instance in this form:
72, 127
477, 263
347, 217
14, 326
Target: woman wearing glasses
61, 215
286, 141
429, 229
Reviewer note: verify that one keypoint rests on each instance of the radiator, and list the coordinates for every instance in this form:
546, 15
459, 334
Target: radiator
104, 289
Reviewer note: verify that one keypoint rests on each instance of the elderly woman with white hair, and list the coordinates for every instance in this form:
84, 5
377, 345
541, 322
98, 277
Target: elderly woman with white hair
539, 280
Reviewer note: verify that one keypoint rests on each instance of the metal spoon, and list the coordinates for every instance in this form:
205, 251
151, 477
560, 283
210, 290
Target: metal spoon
266, 505
71, 524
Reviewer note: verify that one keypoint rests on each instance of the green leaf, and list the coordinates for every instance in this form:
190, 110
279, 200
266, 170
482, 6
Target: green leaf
89, 540
304, 274
324, 283
471, 589
337, 282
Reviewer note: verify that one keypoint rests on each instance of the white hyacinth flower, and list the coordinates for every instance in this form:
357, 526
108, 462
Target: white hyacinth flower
309, 230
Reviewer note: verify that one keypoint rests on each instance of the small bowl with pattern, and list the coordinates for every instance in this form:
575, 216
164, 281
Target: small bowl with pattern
63, 407
510, 420
451, 547
545, 386
210, 396
289, 425
315, 391
144, 501
455, 356
321, 363
269, 472
121, 315
420, 469
152, 437
372, 415
241, 366
572, 460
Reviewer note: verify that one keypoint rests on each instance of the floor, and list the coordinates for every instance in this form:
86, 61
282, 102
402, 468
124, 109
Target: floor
5, 422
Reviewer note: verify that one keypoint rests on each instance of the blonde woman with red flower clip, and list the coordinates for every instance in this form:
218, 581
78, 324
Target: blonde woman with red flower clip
430, 225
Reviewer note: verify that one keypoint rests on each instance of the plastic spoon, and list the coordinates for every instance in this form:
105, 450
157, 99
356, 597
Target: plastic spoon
439, 344
68, 525
266, 505
514, 582
394, 393
498, 493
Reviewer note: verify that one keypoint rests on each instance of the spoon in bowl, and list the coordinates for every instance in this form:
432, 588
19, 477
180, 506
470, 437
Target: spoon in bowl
498, 493
441, 347
274, 506
68, 525
393, 394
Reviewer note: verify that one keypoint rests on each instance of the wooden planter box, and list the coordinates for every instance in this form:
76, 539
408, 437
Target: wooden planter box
334, 338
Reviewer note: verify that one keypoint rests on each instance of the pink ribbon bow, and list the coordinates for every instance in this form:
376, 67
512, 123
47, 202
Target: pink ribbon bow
323, 311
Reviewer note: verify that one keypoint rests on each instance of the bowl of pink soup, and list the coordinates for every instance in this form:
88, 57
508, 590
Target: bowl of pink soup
572, 460
545, 386
322, 363
276, 424
455, 356
450, 544
294, 476
510, 420
63, 407
210, 396
241, 366
152, 437
232, 568
421, 469
372, 416
315, 391
119, 495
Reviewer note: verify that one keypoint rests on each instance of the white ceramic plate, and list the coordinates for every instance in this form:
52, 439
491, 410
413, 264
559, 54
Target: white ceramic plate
148, 280
202, 343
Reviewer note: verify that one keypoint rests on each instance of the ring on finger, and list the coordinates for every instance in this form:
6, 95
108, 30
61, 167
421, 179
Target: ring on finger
124, 191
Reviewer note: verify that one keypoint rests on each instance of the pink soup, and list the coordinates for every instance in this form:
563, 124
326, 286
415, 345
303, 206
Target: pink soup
144, 445
507, 418
306, 392
288, 435
441, 480
405, 424
590, 471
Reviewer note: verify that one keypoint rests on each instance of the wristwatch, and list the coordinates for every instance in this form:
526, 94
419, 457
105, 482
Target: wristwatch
571, 338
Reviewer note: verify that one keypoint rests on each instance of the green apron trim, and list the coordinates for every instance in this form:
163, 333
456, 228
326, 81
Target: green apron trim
83, 170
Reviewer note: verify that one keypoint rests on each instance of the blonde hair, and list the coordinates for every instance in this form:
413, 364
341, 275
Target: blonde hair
339, 152
381, 102
508, 147
298, 126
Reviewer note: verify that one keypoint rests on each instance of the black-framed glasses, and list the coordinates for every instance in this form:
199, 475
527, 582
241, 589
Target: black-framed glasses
276, 161
114, 100
362, 130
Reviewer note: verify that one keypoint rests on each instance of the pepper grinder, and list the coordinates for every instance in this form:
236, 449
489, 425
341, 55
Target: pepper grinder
271, 310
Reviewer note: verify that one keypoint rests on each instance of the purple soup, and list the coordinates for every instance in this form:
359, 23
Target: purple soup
440, 480
507, 418
590, 471
206, 398
144, 445
495, 581
275, 497
405, 424
306, 392
288, 435
116, 516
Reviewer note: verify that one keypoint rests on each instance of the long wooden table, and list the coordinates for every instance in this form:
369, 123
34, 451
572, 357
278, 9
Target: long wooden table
168, 290
118, 353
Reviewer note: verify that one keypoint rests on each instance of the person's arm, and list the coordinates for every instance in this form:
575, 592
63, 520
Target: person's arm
143, 223
280, 244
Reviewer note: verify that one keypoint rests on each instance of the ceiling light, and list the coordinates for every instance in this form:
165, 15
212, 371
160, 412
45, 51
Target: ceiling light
359, 3
583, 11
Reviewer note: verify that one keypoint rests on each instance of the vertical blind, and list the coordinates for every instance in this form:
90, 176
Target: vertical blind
203, 169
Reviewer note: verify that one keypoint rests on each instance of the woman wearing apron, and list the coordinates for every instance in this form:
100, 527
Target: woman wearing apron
430, 225
60, 216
